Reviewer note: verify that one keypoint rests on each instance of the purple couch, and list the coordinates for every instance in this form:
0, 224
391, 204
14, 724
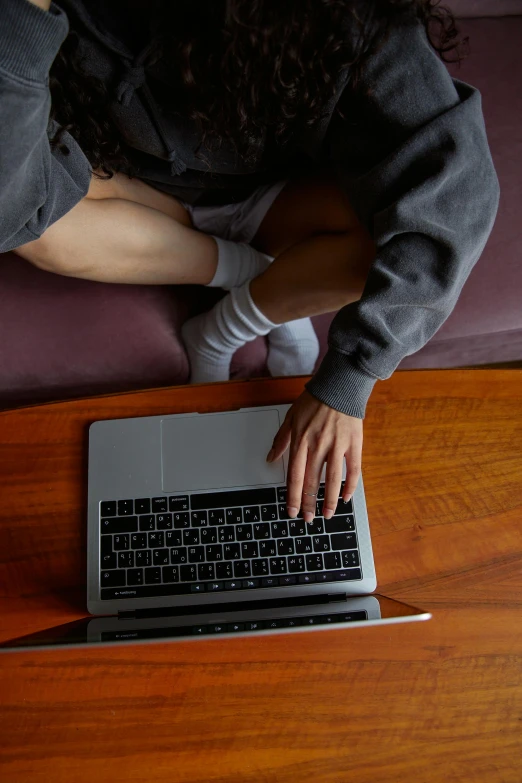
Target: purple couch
62, 338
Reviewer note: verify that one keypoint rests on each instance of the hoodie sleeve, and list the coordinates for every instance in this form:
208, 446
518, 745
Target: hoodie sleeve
37, 186
414, 160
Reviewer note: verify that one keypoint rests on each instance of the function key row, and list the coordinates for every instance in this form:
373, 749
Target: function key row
141, 590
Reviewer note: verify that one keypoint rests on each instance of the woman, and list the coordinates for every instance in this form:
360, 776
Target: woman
309, 156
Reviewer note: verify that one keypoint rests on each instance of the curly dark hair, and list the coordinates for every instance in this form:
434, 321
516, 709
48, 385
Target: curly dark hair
241, 66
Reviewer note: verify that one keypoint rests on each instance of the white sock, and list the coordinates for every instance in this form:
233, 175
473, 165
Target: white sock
293, 348
237, 263
212, 338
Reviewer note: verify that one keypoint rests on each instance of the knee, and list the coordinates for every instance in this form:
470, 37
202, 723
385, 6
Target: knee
44, 253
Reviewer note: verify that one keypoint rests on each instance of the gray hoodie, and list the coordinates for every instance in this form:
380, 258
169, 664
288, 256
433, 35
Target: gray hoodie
413, 158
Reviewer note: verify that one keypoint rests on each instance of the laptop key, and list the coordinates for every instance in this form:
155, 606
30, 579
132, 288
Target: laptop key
143, 558
340, 524
178, 555
279, 529
214, 552
303, 545
227, 534
199, 519
125, 508
142, 506
188, 573
112, 579
139, 541
109, 560
182, 520
287, 580
106, 545
147, 522
156, 540
208, 535
350, 559
160, 505
173, 538
233, 516
121, 542
244, 533
242, 568
281, 494
196, 554
206, 572
190, 537
278, 565
224, 570
249, 549
152, 576
305, 579
315, 528
270, 581
297, 527
332, 560
296, 564
179, 503
108, 508
283, 511
251, 514
235, 584
250, 583
125, 559
232, 552
170, 573
321, 543
285, 546
135, 576
344, 508
119, 525
267, 548
347, 574
262, 531
260, 567
314, 562
344, 541
164, 522
215, 587
216, 517
160, 557
269, 513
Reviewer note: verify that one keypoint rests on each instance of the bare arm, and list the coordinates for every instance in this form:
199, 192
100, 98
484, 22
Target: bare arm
43, 4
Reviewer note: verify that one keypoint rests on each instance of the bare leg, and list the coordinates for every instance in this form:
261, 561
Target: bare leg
323, 253
126, 232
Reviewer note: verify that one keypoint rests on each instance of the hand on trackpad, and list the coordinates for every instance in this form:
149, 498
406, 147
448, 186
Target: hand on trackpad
219, 451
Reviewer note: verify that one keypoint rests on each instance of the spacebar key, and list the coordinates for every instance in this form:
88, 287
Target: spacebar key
239, 497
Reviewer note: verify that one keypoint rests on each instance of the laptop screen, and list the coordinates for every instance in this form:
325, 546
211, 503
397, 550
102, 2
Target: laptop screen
190, 623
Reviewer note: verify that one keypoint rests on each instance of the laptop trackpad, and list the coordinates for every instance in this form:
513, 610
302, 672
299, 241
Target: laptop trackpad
219, 451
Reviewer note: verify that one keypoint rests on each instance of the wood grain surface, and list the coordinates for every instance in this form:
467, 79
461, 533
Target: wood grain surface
426, 702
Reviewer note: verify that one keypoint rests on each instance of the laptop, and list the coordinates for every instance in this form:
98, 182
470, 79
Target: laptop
189, 537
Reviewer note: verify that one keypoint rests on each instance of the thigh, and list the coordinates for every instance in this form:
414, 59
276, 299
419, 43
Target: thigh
306, 207
123, 187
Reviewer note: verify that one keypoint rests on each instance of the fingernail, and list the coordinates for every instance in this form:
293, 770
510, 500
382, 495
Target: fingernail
270, 455
292, 512
308, 516
347, 498
328, 513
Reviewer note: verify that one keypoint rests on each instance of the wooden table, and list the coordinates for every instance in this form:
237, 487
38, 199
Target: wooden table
435, 701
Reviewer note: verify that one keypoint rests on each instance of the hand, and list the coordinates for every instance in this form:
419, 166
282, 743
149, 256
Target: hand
317, 433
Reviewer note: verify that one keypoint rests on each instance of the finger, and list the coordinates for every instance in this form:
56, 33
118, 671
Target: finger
296, 472
333, 481
282, 440
353, 468
312, 477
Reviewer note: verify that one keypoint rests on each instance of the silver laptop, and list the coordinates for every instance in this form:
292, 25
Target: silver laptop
189, 536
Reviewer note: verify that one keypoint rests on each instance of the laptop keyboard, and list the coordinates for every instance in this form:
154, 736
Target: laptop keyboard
221, 541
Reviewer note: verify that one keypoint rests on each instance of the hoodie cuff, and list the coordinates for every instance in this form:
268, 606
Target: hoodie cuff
341, 384
30, 39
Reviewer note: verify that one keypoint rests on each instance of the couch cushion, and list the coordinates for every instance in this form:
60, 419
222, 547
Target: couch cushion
63, 337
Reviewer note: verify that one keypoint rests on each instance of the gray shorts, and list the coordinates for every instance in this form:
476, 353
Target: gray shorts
236, 222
